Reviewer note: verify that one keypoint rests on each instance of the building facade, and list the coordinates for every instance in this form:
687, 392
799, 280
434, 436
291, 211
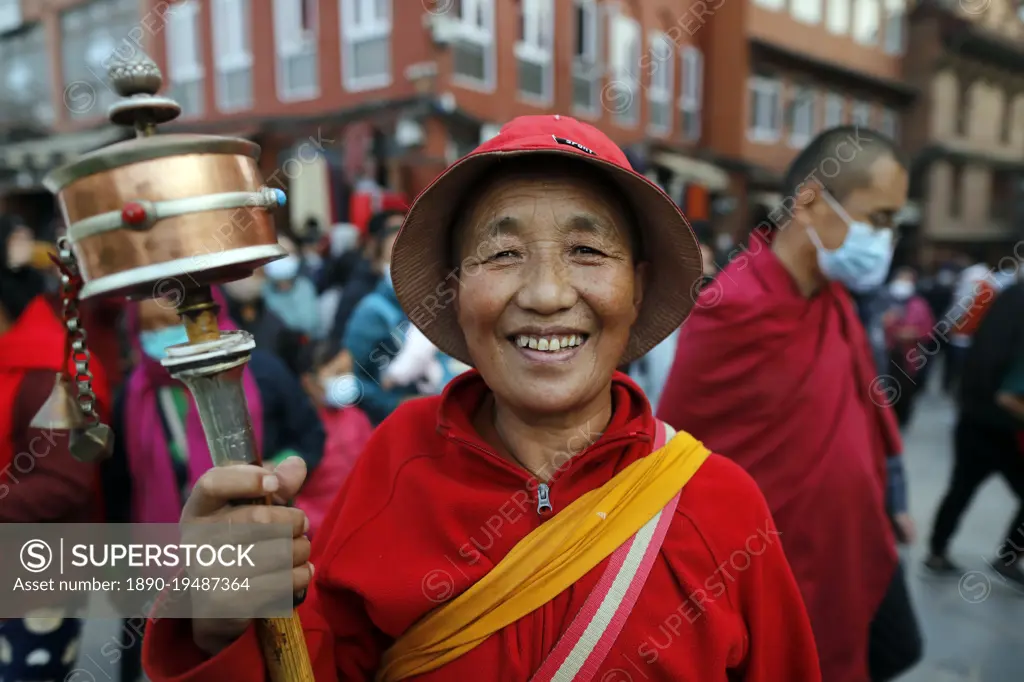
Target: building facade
966, 132
782, 70
348, 93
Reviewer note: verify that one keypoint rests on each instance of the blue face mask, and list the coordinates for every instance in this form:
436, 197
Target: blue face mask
862, 261
342, 391
155, 341
283, 270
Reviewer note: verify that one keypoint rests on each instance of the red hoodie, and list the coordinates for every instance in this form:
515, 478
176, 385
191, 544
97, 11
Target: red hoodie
430, 508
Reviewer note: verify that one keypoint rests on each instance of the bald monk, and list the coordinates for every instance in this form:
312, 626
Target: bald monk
788, 390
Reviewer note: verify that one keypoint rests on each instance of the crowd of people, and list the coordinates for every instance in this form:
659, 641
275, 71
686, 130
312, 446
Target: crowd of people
334, 357
802, 366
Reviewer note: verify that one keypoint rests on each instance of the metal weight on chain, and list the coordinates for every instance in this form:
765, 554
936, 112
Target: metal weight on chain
93, 441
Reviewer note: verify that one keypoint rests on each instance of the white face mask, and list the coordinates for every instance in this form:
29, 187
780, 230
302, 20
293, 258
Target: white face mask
343, 238
901, 289
244, 290
342, 391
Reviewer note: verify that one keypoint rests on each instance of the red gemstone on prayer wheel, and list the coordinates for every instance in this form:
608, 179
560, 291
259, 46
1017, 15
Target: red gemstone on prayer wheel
133, 213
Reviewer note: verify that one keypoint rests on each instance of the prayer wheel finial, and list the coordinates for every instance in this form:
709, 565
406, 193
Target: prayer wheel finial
138, 80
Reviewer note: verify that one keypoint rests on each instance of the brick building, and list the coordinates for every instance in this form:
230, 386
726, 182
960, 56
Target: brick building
346, 93
966, 132
782, 71
709, 97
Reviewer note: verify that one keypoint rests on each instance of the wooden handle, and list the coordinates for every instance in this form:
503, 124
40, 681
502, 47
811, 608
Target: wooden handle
284, 649
284, 644
281, 639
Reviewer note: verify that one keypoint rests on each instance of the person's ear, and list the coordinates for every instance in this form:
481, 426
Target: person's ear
805, 202
640, 273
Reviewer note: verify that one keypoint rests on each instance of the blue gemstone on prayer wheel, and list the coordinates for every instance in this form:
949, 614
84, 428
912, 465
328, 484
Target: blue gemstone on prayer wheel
280, 195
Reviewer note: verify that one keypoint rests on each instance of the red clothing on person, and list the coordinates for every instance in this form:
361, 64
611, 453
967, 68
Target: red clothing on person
348, 430
784, 386
430, 508
39, 480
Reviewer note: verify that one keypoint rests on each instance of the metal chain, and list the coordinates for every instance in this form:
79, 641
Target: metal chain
70, 285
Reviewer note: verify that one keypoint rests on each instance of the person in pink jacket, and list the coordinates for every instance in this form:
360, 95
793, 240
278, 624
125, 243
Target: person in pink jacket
908, 322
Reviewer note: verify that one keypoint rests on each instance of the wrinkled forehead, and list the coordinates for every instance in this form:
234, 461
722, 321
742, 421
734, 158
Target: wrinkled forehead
540, 201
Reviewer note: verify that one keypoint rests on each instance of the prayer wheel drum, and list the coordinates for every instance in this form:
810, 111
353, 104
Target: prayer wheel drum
158, 215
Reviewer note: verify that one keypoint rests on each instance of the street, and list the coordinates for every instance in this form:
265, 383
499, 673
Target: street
971, 625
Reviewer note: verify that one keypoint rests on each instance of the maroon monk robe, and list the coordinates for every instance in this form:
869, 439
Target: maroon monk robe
783, 385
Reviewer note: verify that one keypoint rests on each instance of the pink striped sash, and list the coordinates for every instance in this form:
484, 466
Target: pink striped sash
584, 646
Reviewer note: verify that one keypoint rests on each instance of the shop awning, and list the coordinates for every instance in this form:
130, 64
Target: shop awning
693, 170
46, 153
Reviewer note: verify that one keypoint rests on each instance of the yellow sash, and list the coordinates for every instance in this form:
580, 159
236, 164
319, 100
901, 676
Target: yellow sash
547, 561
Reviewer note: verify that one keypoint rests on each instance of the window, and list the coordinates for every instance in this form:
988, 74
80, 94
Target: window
660, 65
691, 99
865, 21
835, 114
295, 40
232, 46
534, 50
860, 115
1006, 129
964, 104
765, 108
1002, 202
25, 76
10, 15
807, 11
473, 51
366, 44
586, 60
624, 101
955, 195
891, 123
184, 58
92, 36
837, 19
802, 116
894, 10
772, 4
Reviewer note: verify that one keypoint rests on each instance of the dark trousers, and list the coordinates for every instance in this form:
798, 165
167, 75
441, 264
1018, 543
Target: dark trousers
953, 360
979, 452
131, 649
895, 643
906, 387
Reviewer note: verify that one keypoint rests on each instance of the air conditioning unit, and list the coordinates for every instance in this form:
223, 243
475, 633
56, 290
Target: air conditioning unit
409, 133
444, 28
488, 130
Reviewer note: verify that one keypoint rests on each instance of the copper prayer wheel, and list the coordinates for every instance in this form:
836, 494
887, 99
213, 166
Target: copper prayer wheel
157, 215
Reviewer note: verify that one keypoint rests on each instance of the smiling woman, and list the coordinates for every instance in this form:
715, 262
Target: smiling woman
555, 286
534, 522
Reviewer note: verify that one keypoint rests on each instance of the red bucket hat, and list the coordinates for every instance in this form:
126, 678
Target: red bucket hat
420, 263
